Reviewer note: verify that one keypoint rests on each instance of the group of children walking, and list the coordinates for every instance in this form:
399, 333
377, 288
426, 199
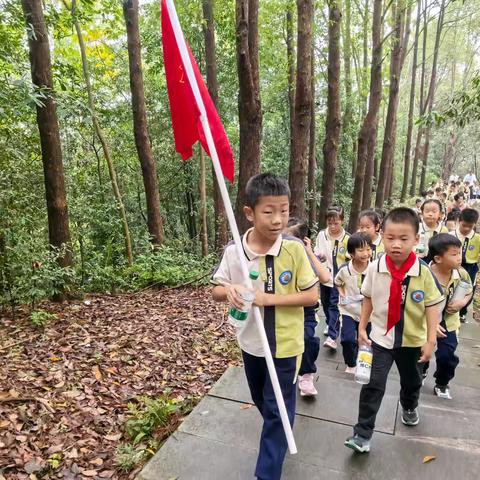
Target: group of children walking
390, 285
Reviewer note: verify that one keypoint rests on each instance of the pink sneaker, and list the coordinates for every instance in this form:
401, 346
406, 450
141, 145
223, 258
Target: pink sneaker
305, 384
330, 343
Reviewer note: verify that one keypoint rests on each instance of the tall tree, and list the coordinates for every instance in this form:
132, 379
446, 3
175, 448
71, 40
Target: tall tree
140, 126
399, 44
203, 204
411, 106
333, 122
47, 121
303, 99
312, 155
249, 105
221, 227
348, 104
291, 70
100, 134
368, 132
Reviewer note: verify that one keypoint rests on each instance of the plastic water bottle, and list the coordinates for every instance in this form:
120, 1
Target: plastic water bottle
364, 364
463, 289
237, 317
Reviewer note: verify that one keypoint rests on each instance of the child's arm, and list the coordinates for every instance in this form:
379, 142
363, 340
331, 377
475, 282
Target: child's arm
367, 310
322, 272
307, 298
433, 315
230, 293
454, 307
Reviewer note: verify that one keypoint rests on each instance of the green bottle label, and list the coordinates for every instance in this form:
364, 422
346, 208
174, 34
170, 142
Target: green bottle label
238, 315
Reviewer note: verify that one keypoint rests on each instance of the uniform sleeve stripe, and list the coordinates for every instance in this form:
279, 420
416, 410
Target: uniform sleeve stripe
310, 286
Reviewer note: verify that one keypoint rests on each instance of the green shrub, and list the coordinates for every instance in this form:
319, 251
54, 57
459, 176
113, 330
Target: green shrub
127, 457
40, 318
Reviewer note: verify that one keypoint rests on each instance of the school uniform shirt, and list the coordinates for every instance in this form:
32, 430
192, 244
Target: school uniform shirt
420, 290
283, 270
351, 281
378, 248
470, 246
426, 234
335, 251
452, 320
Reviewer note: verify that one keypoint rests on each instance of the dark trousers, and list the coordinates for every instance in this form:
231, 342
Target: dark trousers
472, 270
371, 395
447, 361
273, 443
348, 336
312, 343
329, 298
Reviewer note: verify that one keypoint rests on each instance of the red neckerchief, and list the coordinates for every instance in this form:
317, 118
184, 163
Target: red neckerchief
395, 299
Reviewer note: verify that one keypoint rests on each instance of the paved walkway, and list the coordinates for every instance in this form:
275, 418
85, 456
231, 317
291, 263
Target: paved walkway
219, 439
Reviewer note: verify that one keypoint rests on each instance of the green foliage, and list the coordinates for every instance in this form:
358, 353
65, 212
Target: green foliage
40, 318
127, 457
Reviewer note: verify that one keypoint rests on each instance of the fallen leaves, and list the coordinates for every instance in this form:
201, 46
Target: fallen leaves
65, 391
429, 458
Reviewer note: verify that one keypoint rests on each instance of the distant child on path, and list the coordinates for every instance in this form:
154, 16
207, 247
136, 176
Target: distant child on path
287, 283
349, 281
402, 302
331, 245
369, 222
430, 225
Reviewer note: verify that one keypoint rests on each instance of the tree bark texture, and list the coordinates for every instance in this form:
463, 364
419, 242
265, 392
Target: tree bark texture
291, 71
362, 188
140, 126
312, 155
333, 122
47, 121
249, 105
221, 226
303, 99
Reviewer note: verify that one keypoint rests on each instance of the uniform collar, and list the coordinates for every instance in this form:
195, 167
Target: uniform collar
251, 255
459, 235
437, 229
455, 273
340, 238
413, 272
378, 241
352, 269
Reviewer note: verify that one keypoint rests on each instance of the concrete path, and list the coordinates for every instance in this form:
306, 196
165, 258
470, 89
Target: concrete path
219, 439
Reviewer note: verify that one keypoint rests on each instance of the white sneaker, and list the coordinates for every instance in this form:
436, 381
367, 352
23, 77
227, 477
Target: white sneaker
442, 392
330, 343
305, 385
351, 370
325, 332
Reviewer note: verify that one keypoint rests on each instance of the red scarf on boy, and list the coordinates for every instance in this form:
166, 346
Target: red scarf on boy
395, 299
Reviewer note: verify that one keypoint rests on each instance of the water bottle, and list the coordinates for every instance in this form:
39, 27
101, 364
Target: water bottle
463, 289
364, 364
237, 317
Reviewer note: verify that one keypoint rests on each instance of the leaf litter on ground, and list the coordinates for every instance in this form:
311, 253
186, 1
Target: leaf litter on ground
66, 387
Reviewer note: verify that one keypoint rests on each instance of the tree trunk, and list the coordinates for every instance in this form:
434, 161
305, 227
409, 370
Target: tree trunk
303, 99
47, 121
348, 105
399, 45
362, 189
203, 205
140, 126
408, 147
312, 155
101, 136
449, 157
221, 227
291, 72
364, 92
333, 122
431, 92
249, 105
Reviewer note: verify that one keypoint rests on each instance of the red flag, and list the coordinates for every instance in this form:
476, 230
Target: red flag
187, 127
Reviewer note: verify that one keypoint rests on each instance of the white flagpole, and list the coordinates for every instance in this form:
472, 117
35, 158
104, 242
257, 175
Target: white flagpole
231, 220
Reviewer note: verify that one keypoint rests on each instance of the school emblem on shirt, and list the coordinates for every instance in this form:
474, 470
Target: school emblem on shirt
471, 247
341, 250
285, 277
418, 296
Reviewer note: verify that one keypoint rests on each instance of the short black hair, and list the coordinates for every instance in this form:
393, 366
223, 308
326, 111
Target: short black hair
458, 195
335, 211
381, 213
265, 184
418, 200
372, 215
403, 215
439, 244
469, 215
357, 240
299, 228
438, 189
430, 192
432, 200
454, 215
423, 193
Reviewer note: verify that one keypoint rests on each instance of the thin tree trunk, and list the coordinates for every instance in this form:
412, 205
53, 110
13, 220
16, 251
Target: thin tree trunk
101, 136
203, 205
312, 155
140, 126
400, 41
291, 72
449, 157
221, 227
431, 92
47, 121
348, 110
333, 122
249, 105
303, 99
362, 188
364, 89
408, 147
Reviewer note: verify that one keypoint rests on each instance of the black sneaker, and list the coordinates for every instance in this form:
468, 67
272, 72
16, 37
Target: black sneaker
442, 392
410, 417
463, 318
358, 444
